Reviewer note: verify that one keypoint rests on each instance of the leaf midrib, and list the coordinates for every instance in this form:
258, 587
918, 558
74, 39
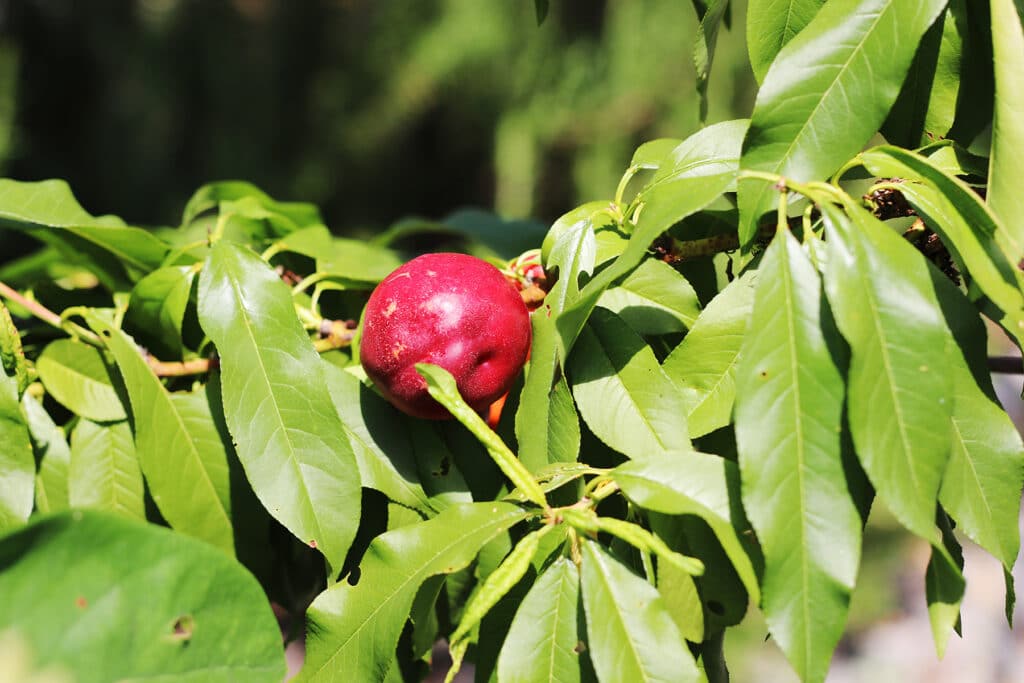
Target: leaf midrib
974, 477
370, 617
600, 560
787, 287
825, 95
306, 501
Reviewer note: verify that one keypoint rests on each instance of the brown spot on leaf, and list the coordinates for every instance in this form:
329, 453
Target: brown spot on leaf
183, 628
312, 543
580, 648
81, 603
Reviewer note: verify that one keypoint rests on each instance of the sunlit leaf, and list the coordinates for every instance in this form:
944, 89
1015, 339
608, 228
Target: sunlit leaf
622, 393
17, 465
179, 449
104, 472
827, 93
52, 453
899, 392
789, 403
703, 366
630, 633
77, 375
352, 630
542, 643
135, 602
773, 23
1004, 178
276, 404
698, 484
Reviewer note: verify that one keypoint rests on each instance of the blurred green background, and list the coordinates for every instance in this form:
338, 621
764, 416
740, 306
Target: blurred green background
371, 110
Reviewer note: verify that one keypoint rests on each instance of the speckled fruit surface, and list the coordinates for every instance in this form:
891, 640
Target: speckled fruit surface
451, 310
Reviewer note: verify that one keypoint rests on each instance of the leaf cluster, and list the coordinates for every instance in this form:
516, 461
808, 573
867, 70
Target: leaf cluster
768, 327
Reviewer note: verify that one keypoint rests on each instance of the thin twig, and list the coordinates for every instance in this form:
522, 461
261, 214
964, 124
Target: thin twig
196, 366
34, 307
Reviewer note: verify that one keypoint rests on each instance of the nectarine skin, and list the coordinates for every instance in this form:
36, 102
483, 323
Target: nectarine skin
452, 310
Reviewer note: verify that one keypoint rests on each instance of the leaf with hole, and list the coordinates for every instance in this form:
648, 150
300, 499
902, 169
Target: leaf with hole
183, 610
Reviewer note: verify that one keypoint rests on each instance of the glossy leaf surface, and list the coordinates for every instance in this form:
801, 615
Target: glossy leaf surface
53, 455
276, 404
899, 387
352, 630
542, 643
386, 456
631, 635
17, 466
622, 392
653, 299
982, 243
77, 376
789, 401
697, 172
104, 473
703, 365
773, 23
699, 484
48, 211
982, 482
181, 610
1004, 195
827, 93
179, 449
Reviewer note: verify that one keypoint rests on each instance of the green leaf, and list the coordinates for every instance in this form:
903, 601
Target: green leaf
703, 366
631, 635
104, 472
443, 389
157, 308
978, 239
789, 404
899, 392
77, 376
622, 393
926, 106
653, 299
12, 356
386, 455
276, 403
547, 426
698, 172
267, 216
352, 630
48, 211
944, 587
572, 255
17, 465
981, 487
704, 48
709, 153
135, 602
493, 588
694, 484
52, 453
678, 590
178, 446
542, 644
650, 155
1004, 194
356, 260
773, 23
827, 93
